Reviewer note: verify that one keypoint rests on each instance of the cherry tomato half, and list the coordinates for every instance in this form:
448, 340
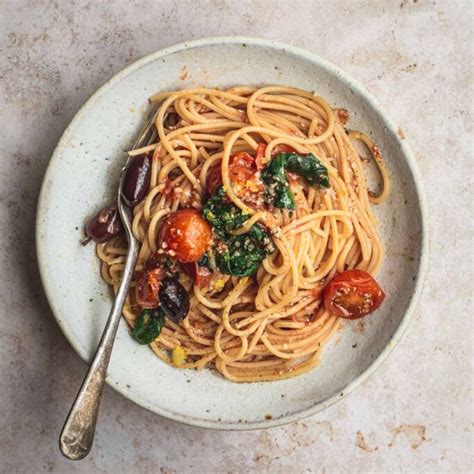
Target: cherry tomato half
282, 148
241, 167
260, 155
214, 179
147, 286
353, 294
200, 275
185, 235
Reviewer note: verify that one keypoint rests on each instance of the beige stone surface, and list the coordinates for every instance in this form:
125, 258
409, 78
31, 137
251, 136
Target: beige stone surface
415, 414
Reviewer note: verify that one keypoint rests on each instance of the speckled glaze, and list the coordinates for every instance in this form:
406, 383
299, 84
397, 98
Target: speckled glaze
82, 177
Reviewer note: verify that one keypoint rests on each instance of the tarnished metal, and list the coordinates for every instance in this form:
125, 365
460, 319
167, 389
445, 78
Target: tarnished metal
78, 432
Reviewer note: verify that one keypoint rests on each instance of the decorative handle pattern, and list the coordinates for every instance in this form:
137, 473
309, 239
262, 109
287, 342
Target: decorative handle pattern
78, 432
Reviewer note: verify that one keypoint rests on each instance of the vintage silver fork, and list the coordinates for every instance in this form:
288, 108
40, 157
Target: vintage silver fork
78, 432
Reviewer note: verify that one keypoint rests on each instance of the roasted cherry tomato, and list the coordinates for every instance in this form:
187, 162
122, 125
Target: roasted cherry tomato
353, 294
200, 275
242, 167
147, 286
185, 235
214, 179
105, 225
282, 148
260, 155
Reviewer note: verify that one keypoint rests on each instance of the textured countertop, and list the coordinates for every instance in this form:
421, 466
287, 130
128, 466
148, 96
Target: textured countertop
415, 414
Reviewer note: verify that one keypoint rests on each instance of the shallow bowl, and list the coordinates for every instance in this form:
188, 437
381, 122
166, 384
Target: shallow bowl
83, 174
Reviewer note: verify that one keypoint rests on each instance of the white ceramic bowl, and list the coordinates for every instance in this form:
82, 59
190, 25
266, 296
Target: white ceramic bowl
82, 177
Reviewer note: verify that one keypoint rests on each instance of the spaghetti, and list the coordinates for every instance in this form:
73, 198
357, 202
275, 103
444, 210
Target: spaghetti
272, 324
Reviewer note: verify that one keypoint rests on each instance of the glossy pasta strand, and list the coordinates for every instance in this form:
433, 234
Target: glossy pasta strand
272, 325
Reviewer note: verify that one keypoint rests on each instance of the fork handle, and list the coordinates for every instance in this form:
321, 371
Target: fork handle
78, 432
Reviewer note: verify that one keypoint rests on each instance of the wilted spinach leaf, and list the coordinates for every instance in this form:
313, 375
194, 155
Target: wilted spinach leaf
222, 214
309, 168
277, 189
242, 256
204, 261
237, 255
148, 326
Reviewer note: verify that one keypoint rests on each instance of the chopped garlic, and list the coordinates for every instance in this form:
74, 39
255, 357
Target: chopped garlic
251, 185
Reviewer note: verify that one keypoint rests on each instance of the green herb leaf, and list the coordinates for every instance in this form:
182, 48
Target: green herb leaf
237, 255
242, 257
277, 189
204, 261
222, 214
309, 168
260, 235
148, 326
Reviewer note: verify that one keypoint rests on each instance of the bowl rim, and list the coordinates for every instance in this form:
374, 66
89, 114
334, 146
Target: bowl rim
391, 127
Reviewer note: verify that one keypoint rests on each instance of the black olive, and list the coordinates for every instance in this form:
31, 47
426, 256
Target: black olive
174, 299
105, 225
173, 119
137, 179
